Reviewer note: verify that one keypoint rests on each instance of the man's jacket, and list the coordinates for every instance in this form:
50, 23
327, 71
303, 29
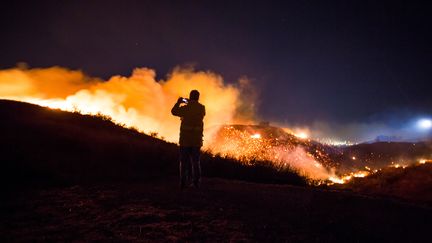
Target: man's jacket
191, 128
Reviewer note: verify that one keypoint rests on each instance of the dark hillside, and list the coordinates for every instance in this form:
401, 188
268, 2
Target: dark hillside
44, 146
115, 184
381, 154
40, 144
413, 183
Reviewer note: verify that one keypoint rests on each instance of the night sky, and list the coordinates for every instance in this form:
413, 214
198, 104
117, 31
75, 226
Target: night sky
332, 61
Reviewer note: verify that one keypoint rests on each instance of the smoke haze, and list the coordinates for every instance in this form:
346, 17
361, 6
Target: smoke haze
145, 103
138, 101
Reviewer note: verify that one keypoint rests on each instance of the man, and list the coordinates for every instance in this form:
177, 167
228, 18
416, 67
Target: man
191, 137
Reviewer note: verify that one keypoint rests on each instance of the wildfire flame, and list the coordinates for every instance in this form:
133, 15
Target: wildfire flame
302, 135
138, 101
424, 161
143, 102
256, 136
246, 145
345, 178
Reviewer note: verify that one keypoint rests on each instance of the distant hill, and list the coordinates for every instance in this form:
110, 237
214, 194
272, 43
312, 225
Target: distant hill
413, 183
382, 154
43, 146
346, 159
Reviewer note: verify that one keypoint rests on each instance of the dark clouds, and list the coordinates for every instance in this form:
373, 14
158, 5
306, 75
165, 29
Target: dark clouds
334, 61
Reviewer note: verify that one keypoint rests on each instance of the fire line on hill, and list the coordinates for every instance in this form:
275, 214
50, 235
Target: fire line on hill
142, 102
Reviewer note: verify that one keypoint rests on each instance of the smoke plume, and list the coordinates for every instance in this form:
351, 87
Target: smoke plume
138, 101
142, 102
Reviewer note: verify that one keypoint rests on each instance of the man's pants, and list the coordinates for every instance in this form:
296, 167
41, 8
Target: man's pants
190, 167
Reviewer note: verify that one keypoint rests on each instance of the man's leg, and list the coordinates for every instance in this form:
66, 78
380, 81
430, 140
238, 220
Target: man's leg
184, 166
196, 165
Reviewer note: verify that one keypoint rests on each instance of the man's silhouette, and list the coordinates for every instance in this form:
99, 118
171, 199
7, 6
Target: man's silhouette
191, 137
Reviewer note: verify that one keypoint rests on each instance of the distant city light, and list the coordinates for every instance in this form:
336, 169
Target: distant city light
335, 142
425, 123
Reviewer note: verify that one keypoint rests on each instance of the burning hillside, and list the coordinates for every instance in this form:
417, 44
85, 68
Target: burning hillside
268, 143
42, 145
143, 102
253, 142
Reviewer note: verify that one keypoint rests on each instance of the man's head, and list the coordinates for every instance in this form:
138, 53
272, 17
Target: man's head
194, 95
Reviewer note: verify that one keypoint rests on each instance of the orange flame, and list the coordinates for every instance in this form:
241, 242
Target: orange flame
248, 145
138, 101
143, 102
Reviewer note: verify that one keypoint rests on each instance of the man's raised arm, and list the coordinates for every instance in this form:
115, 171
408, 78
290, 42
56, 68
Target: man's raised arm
176, 110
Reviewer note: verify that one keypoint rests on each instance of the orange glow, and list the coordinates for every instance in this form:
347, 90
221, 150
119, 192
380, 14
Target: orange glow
335, 179
302, 135
142, 102
424, 161
398, 166
345, 178
138, 101
256, 136
247, 145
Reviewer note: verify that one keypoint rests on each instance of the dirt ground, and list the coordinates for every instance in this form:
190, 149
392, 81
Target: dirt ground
220, 211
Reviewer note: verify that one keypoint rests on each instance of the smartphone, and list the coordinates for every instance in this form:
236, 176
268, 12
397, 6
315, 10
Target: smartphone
185, 100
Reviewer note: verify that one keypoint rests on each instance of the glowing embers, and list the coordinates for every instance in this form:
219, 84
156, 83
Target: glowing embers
335, 179
302, 135
424, 161
256, 136
242, 145
398, 165
250, 143
345, 178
